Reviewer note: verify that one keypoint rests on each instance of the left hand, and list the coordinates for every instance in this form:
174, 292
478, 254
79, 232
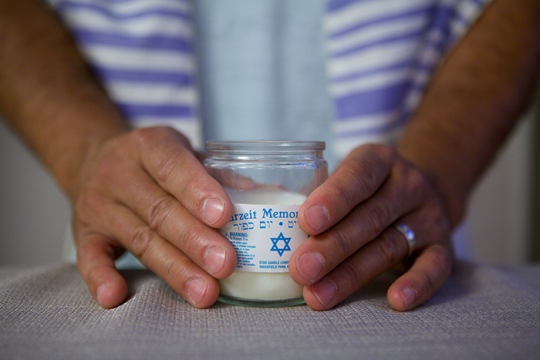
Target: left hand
351, 217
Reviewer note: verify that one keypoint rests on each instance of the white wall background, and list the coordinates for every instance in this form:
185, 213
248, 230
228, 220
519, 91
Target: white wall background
500, 210
34, 214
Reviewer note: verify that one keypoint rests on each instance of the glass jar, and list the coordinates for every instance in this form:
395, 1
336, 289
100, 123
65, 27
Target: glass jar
267, 182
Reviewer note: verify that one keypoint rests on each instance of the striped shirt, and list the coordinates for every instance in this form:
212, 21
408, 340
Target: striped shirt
380, 56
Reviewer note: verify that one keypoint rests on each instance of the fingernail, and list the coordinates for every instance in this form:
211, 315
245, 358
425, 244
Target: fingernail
196, 289
212, 210
324, 291
102, 291
408, 295
317, 217
214, 258
309, 265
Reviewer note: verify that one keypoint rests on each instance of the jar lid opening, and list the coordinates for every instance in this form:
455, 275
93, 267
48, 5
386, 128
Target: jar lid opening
265, 146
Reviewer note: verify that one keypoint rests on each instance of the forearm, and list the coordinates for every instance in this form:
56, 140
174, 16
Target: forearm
475, 99
47, 92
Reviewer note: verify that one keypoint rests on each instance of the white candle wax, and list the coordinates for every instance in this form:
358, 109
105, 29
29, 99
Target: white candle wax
262, 285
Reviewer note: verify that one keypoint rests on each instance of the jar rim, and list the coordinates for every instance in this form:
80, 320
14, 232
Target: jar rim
265, 146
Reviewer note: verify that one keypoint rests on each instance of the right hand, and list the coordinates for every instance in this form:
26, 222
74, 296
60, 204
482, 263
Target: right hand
146, 192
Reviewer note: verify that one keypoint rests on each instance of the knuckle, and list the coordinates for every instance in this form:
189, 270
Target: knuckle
367, 177
361, 178
377, 219
343, 194
389, 249
438, 216
357, 181
108, 168
352, 274
191, 238
141, 241
338, 243
437, 224
90, 202
166, 168
170, 269
192, 190
417, 181
174, 271
159, 211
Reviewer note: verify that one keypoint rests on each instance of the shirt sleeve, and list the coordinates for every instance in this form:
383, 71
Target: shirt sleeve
381, 56
143, 53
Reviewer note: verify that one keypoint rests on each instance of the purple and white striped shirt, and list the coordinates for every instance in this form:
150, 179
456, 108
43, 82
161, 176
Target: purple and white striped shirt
380, 56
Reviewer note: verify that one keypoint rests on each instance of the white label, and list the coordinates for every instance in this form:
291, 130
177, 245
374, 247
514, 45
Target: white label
264, 236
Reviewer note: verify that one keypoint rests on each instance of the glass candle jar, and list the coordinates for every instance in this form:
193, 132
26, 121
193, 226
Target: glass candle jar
267, 182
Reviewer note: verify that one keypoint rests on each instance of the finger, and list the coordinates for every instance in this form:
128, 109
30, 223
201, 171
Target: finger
430, 271
95, 261
165, 215
356, 179
319, 254
373, 259
169, 160
163, 258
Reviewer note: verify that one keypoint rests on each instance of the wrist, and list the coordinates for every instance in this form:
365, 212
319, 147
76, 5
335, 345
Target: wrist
73, 132
452, 193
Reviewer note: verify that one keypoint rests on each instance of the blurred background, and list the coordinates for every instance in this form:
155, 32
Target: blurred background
502, 226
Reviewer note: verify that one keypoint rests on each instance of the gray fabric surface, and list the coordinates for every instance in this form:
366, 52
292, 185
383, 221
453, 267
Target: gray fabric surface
482, 312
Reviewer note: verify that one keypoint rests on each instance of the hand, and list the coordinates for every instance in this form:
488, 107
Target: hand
351, 216
145, 191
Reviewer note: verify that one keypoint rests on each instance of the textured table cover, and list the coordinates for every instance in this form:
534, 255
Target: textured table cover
482, 312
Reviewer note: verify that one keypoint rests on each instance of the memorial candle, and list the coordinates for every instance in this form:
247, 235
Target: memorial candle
267, 183
265, 282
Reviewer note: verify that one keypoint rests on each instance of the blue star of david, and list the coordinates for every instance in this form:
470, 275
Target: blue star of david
285, 248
